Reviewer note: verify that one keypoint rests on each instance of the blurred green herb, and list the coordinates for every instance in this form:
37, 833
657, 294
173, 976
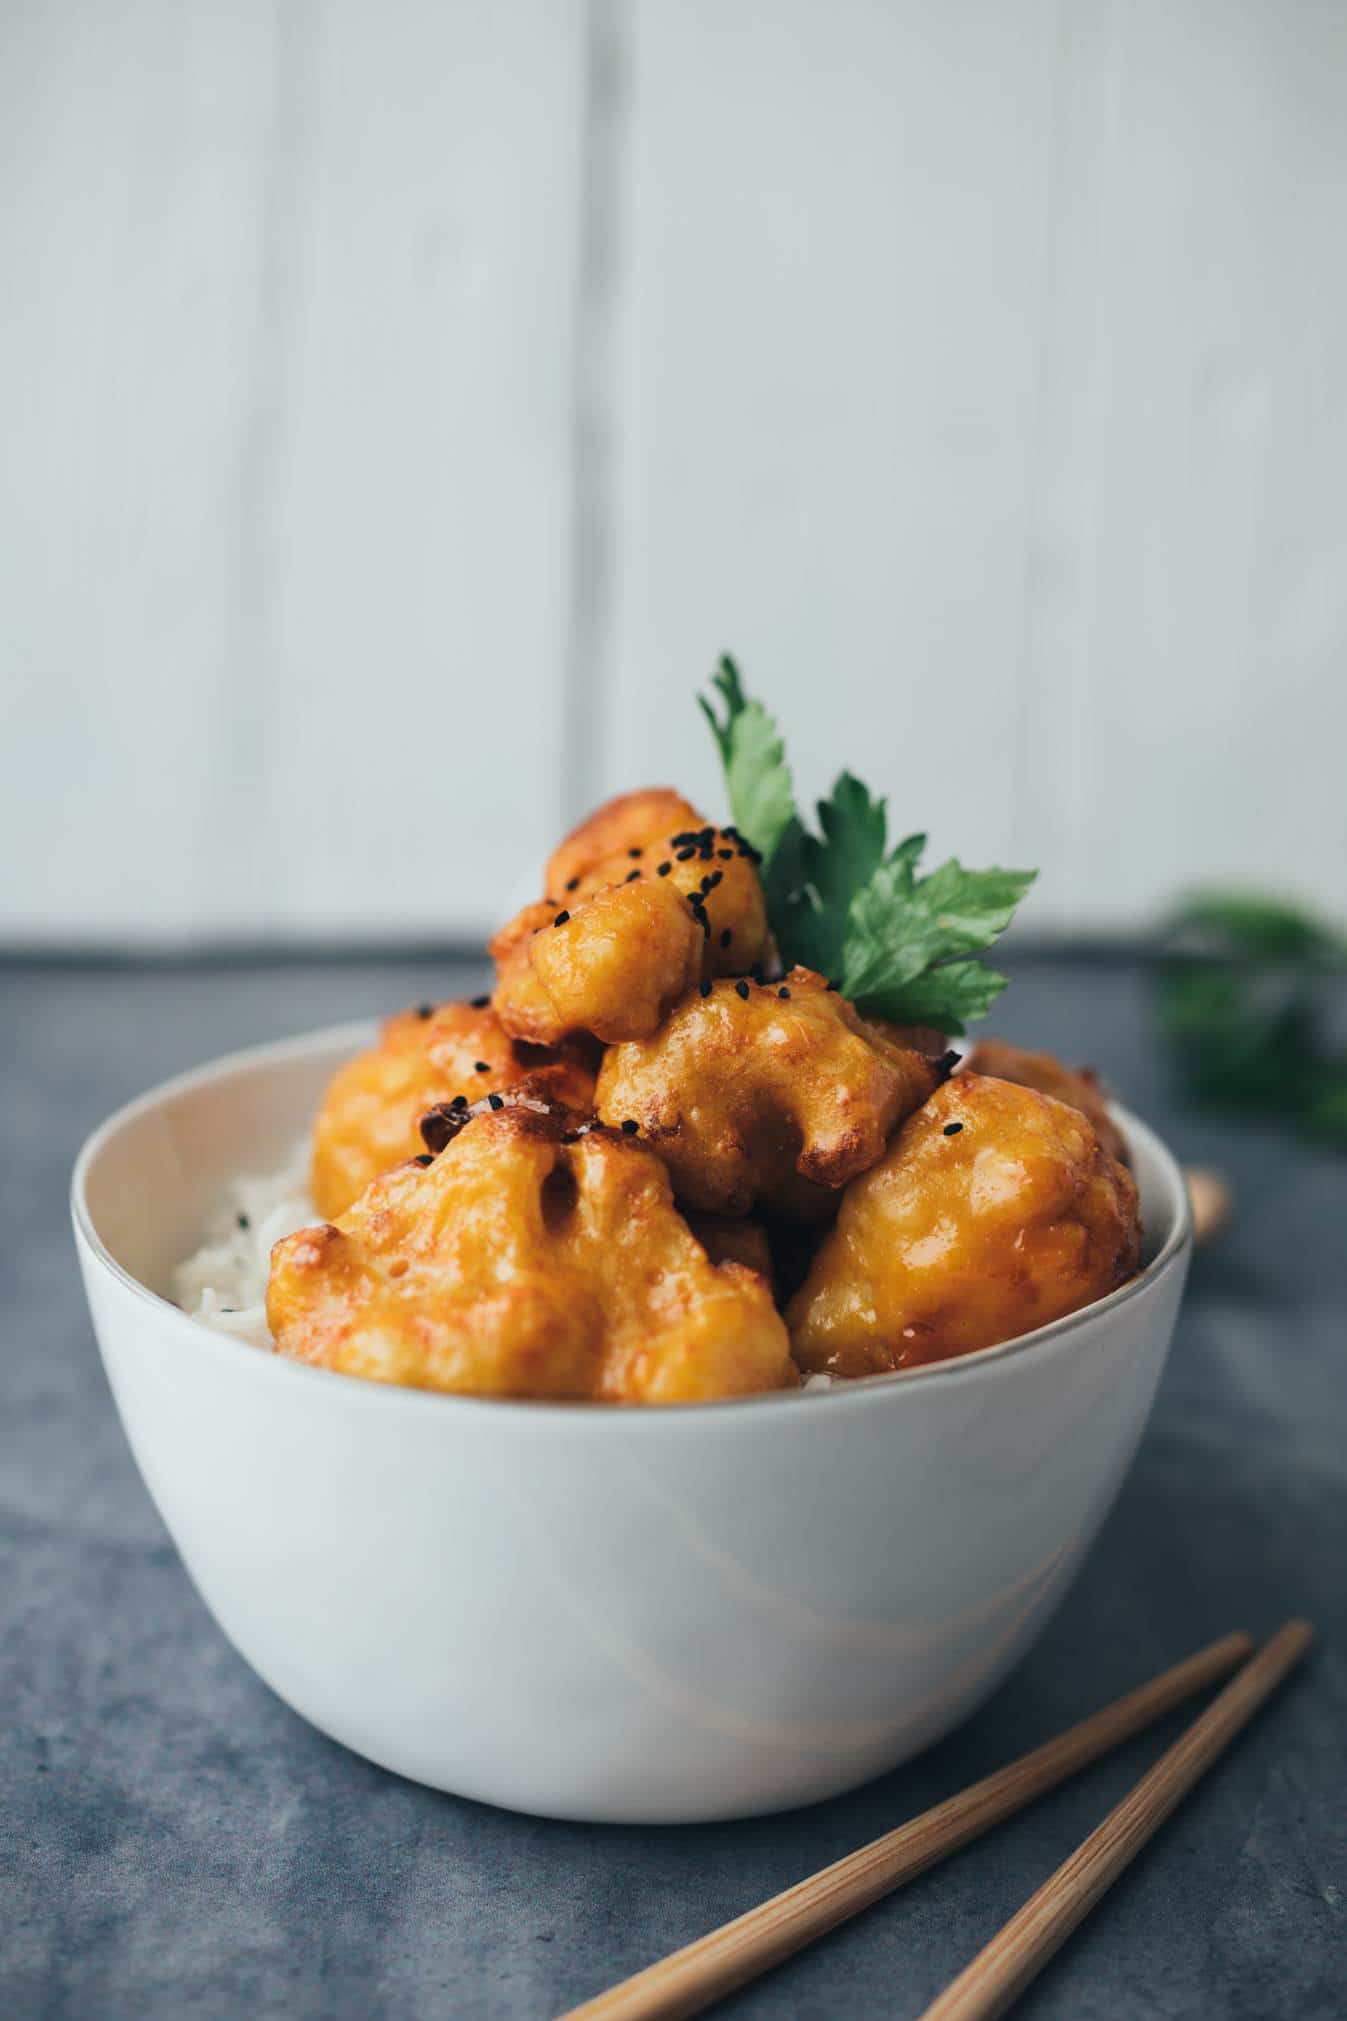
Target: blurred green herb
899, 945
1246, 996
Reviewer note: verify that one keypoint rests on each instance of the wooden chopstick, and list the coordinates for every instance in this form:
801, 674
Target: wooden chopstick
1000, 1972
690, 1979
1211, 1201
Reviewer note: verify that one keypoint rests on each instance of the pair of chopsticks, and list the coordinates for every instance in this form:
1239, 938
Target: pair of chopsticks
692, 1978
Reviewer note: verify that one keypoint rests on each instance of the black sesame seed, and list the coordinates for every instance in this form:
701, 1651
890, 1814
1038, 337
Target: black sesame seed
665, 868
725, 853
480, 1002
726, 937
459, 1102
684, 854
480, 1067
496, 1102
832, 986
732, 832
572, 884
784, 994
952, 1129
704, 989
636, 852
423, 1160
741, 989
425, 1010
716, 877
243, 1221
629, 1128
946, 1064
561, 919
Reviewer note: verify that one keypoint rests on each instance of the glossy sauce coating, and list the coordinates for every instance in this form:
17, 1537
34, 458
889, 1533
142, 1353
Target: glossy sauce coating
1077, 1085
995, 1210
532, 1258
772, 1094
610, 968
368, 1119
628, 825
642, 915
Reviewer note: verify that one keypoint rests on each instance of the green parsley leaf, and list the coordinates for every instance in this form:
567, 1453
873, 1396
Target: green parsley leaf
762, 798
826, 874
1248, 995
905, 935
843, 903
945, 997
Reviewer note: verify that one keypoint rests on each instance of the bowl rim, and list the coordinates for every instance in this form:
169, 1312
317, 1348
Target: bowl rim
986, 1363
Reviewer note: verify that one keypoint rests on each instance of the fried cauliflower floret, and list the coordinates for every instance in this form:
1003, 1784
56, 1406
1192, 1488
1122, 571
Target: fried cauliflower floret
534, 1257
1077, 1085
630, 936
612, 967
368, 1119
621, 828
995, 1210
769, 1095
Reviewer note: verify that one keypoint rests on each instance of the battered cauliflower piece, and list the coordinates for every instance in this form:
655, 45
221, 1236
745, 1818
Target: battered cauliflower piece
765, 1094
1077, 1085
368, 1119
536, 1256
612, 967
627, 827
634, 928
995, 1210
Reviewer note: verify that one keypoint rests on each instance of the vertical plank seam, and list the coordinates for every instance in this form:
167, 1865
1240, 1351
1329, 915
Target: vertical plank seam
586, 672
1039, 477
241, 773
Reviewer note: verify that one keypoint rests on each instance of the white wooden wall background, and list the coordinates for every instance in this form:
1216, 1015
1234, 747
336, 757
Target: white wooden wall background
402, 403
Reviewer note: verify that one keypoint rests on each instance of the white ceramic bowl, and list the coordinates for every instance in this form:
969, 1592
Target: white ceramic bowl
633, 1615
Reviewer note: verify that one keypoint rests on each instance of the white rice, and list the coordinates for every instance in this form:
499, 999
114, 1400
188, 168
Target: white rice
224, 1282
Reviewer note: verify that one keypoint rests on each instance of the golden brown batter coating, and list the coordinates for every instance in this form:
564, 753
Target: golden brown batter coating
612, 967
996, 1210
620, 829
633, 930
770, 1094
534, 1257
368, 1119
1077, 1085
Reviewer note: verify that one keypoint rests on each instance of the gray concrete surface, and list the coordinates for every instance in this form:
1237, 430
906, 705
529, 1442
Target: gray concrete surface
175, 1843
